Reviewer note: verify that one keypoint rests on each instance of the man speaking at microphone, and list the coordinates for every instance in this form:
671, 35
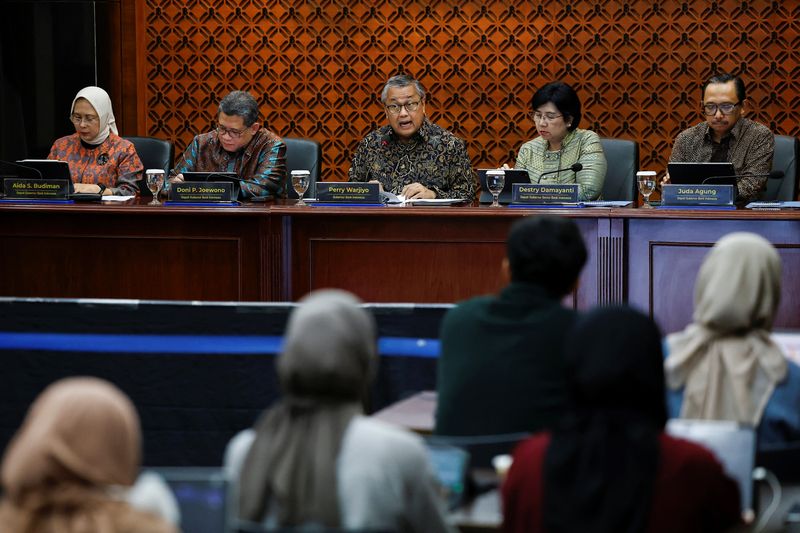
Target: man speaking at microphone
239, 144
727, 135
412, 156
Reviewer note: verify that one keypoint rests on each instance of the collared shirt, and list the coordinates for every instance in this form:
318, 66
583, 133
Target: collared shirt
114, 162
263, 160
434, 158
750, 149
579, 146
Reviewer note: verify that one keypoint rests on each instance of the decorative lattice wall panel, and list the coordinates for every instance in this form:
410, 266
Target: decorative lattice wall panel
317, 69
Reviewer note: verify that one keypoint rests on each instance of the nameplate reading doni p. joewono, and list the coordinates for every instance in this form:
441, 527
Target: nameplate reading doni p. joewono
677, 195
195, 191
36, 189
544, 193
348, 193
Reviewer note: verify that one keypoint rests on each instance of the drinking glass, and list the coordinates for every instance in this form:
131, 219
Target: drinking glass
495, 181
646, 180
300, 180
155, 182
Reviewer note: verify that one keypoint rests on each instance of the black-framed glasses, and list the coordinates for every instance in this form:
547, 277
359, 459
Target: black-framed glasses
230, 132
540, 117
726, 108
77, 119
394, 109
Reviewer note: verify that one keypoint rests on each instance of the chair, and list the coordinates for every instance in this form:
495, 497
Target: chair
303, 154
154, 153
623, 163
784, 159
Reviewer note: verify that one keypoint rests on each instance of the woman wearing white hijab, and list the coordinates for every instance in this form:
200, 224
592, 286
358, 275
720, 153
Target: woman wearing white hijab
100, 161
725, 365
313, 458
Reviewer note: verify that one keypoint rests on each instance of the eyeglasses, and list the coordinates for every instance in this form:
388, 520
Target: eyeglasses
726, 108
232, 133
77, 119
540, 117
394, 109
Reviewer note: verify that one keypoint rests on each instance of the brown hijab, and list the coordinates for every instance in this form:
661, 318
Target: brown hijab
726, 359
80, 437
328, 361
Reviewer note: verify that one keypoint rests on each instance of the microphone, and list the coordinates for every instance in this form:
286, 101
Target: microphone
31, 170
576, 167
774, 175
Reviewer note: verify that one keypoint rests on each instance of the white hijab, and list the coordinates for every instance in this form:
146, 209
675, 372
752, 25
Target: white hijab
101, 103
726, 358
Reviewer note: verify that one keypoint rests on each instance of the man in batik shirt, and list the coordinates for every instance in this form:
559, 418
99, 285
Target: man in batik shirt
411, 156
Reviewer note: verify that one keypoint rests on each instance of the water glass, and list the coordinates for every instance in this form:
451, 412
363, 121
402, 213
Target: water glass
495, 181
300, 181
646, 180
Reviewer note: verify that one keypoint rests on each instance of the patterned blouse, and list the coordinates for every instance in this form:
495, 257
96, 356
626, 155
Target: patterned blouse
114, 162
579, 146
435, 158
263, 161
749, 146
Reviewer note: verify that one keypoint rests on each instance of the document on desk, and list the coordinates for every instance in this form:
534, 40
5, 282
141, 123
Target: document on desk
608, 203
116, 198
434, 201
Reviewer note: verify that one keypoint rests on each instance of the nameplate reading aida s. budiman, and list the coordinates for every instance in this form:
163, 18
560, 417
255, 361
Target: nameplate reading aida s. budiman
194, 191
676, 195
36, 189
544, 193
348, 193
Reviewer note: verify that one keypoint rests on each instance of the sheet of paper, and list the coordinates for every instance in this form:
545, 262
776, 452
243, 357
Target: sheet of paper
113, 198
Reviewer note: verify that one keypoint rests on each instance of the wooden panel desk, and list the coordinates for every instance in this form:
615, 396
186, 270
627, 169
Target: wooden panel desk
647, 257
133, 250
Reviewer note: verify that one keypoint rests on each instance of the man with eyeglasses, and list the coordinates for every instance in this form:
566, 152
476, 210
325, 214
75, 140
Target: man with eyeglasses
239, 144
411, 156
727, 135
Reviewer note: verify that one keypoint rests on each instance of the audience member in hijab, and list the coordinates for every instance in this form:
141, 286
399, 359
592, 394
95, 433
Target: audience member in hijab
66, 469
725, 366
609, 466
99, 160
313, 458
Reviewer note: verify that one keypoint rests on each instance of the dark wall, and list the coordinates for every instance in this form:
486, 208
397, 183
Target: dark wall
49, 50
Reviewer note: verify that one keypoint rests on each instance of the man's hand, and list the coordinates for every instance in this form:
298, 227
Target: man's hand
86, 188
417, 191
665, 179
177, 179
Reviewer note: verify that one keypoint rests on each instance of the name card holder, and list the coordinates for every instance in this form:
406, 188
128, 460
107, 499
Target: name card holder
190, 192
544, 193
697, 195
35, 189
348, 193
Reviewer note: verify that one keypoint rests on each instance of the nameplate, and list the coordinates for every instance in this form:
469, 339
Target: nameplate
195, 191
36, 189
348, 193
697, 195
544, 193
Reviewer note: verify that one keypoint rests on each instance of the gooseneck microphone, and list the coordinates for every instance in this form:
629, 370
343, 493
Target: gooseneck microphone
30, 170
576, 167
774, 175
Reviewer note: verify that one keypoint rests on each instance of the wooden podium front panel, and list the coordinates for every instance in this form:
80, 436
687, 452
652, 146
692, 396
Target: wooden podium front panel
424, 255
665, 254
132, 252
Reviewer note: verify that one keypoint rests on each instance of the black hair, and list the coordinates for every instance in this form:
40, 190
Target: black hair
725, 77
240, 104
564, 98
547, 251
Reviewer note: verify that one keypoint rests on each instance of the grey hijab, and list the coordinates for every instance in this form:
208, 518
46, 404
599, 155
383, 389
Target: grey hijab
327, 364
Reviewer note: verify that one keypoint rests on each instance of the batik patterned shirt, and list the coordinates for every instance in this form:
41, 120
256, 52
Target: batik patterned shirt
114, 162
750, 147
579, 146
434, 158
263, 161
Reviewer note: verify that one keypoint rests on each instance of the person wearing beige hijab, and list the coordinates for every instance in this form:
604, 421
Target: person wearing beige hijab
724, 365
313, 458
78, 444
100, 161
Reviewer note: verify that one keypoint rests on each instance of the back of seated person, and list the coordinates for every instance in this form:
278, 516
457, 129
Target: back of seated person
80, 443
608, 466
725, 366
501, 367
313, 458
